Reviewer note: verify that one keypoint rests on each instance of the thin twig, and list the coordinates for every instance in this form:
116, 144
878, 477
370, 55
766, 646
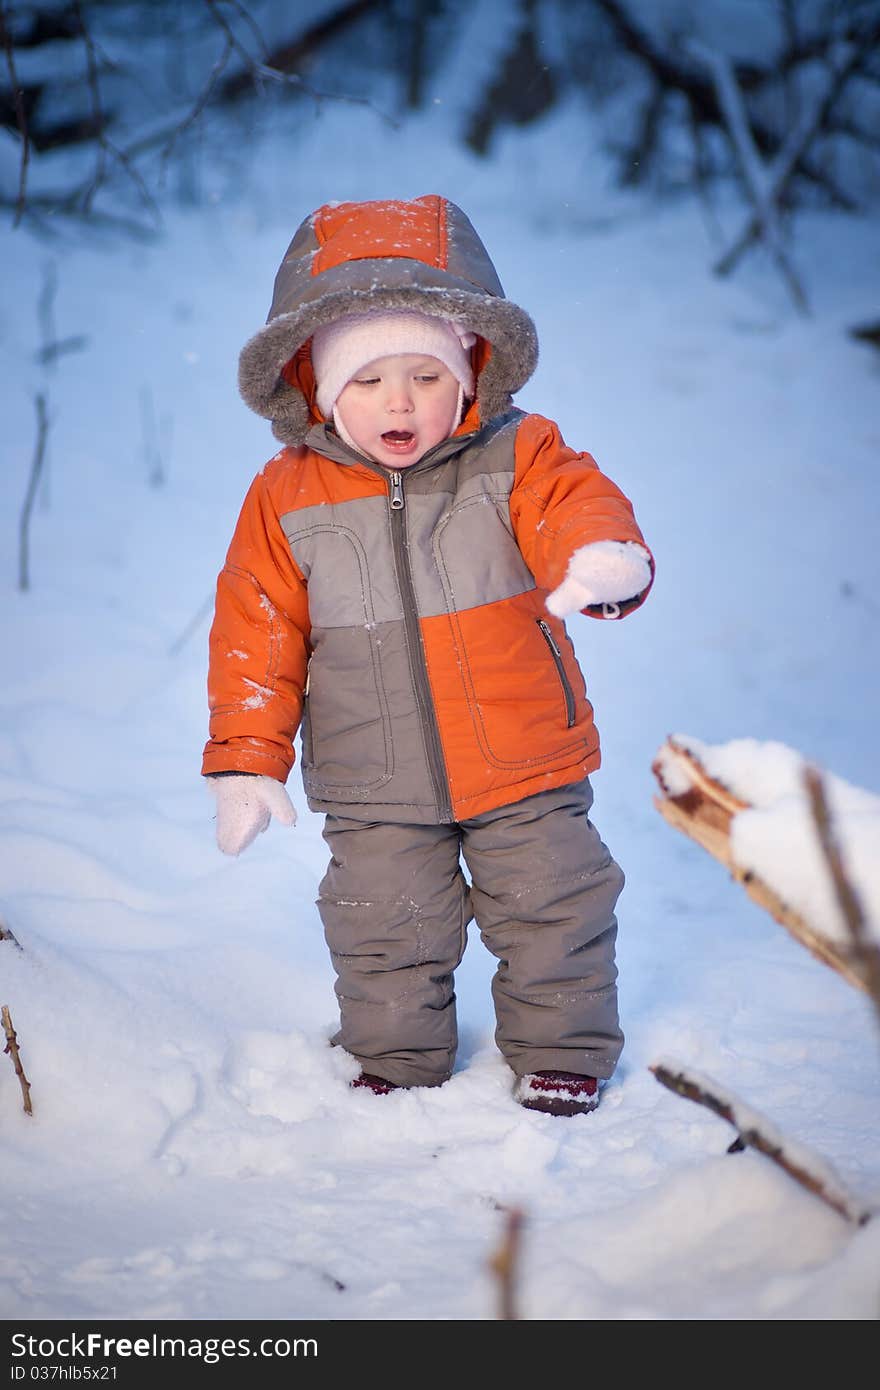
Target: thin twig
106, 146
754, 1132
504, 1265
39, 458
20, 114
12, 1049
865, 949
97, 107
201, 101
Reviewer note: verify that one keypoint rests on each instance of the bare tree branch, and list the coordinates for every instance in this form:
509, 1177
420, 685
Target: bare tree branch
275, 67
790, 156
762, 188
202, 100
279, 62
666, 71
105, 147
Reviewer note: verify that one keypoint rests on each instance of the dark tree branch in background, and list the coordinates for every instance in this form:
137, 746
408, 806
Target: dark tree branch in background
20, 114
105, 147
669, 76
419, 19
70, 23
769, 199
97, 112
203, 99
524, 85
281, 63
763, 187
140, 113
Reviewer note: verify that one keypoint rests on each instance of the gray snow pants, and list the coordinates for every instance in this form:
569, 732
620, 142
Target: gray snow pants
395, 908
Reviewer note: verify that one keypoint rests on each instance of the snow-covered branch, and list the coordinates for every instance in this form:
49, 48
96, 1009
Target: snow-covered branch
746, 803
755, 1131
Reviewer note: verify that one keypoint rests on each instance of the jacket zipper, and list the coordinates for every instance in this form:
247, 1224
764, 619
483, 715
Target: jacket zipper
416, 651
560, 670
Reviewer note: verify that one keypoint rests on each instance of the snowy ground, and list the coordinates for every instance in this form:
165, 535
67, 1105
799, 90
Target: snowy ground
195, 1151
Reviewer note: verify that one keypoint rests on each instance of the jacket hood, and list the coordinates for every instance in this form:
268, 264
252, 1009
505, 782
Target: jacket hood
351, 258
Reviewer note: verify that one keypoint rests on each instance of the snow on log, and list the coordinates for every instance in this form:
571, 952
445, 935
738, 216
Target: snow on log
749, 804
755, 1131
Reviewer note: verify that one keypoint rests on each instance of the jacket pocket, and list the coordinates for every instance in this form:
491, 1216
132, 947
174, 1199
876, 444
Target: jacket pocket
346, 735
570, 708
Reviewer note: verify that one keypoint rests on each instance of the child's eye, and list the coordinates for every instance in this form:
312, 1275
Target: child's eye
427, 376
365, 380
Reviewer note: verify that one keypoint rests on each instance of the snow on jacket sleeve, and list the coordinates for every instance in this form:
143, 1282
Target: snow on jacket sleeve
560, 501
258, 646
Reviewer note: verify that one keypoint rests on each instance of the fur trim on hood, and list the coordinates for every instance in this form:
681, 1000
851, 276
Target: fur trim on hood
352, 258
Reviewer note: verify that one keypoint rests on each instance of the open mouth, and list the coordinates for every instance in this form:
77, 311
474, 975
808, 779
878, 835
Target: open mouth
398, 439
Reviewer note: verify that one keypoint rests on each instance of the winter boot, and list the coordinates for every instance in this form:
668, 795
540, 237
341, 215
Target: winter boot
558, 1092
377, 1084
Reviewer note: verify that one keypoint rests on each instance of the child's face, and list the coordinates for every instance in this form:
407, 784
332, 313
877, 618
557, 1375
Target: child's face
398, 407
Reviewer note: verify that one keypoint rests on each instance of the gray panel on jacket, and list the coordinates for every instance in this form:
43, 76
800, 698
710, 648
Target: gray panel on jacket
359, 691
344, 552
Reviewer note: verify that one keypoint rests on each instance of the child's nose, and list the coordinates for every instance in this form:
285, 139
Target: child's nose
399, 399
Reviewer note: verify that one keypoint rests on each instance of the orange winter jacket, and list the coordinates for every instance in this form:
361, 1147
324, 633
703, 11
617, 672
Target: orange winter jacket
400, 618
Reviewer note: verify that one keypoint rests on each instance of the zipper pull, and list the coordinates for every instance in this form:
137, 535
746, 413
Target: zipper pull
396, 492
551, 641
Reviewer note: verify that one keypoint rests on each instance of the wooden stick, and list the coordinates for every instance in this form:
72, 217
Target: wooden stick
503, 1265
813, 1175
12, 1048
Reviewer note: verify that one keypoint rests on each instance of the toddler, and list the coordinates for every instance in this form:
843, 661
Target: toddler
396, 586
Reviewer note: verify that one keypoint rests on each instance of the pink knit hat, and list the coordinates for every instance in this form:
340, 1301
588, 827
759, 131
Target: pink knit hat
341, 349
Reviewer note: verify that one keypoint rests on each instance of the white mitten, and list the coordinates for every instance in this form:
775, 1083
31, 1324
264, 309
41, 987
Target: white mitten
245, 806
606, 572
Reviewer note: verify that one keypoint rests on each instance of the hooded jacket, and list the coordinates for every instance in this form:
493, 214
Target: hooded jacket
400, 616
